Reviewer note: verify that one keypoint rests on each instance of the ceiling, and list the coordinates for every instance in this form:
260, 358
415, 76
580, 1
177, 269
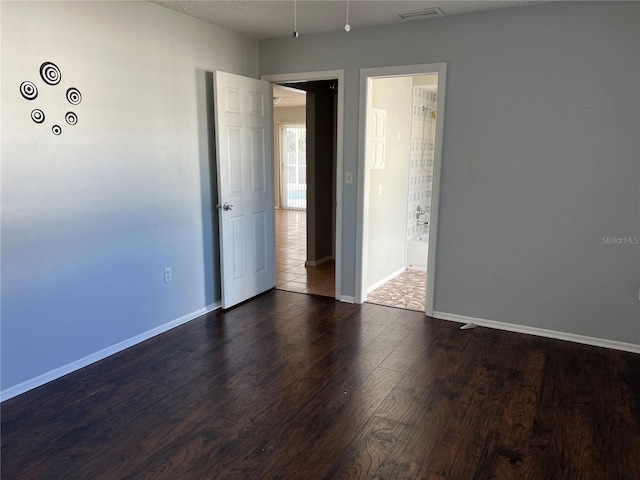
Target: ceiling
288, 97
274, 18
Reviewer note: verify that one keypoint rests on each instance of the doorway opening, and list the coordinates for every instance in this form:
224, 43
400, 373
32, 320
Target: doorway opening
401, 131
305, 120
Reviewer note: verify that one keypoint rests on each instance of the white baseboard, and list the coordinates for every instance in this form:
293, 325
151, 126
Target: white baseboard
315, 263
101, 354
385, 280
541, 332
347, 299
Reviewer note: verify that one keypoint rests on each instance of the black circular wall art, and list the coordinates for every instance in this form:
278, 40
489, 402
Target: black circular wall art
50, 73
71, 118
52, 76
28, 90
37, 115
74, 97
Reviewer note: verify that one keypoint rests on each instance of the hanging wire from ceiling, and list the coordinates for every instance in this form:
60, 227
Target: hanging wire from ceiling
295, 19
347, 27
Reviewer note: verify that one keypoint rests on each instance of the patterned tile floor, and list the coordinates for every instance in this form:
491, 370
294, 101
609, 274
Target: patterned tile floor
407, 290
291, 253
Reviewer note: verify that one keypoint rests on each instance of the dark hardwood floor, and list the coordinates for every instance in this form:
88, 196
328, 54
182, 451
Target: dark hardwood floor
290, 386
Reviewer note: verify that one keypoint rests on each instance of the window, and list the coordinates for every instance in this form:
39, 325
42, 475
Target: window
293, 166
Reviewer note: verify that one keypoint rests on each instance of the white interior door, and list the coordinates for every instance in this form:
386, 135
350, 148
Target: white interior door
244, 150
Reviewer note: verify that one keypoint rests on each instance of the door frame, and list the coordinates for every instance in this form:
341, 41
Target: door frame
339, 76
362, 247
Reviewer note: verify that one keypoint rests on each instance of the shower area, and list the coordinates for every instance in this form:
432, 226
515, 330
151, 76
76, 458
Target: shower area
401, 126
423, 127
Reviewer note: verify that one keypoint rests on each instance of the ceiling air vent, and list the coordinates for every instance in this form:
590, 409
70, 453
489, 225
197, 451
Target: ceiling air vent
428, 12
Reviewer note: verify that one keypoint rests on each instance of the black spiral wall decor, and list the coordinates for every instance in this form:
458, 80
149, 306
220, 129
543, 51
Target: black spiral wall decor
71, 118
28, 90
37, 115
50, 73
51, 76
74, 97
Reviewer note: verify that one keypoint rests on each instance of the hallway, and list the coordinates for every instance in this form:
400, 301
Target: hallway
291, 252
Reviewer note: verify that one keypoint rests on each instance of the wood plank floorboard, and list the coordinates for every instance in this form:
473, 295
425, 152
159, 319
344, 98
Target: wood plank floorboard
293, 386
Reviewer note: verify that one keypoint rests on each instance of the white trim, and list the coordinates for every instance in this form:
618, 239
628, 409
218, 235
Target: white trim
385, 280
100, 355
435, 190
366, 74
315, 263
362, 195
310, 77
347, 299
540, 332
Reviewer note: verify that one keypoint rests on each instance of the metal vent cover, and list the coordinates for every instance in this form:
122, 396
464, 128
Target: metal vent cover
427, 12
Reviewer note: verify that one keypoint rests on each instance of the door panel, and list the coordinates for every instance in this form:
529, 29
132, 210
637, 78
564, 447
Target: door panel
234, 101
258, 159
234, 154
260, 246
244, 148
257, 103
239, 255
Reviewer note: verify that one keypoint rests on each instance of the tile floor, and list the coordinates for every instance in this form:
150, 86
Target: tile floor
407, 290
291, 252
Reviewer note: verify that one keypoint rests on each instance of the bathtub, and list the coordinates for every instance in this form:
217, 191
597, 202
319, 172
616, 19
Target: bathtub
417, 251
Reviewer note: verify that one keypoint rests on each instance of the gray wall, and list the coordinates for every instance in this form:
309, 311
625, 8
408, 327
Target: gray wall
387, 225
540, 157
90, 218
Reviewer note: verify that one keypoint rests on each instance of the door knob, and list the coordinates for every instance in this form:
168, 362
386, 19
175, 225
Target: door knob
227, 206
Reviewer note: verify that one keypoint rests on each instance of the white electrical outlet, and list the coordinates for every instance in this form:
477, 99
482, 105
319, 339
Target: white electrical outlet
167, 274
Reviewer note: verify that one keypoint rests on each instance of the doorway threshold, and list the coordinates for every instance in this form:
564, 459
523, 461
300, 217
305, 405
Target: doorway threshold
406, 290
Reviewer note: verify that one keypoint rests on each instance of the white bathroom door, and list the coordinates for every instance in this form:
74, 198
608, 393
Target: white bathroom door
244, 157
